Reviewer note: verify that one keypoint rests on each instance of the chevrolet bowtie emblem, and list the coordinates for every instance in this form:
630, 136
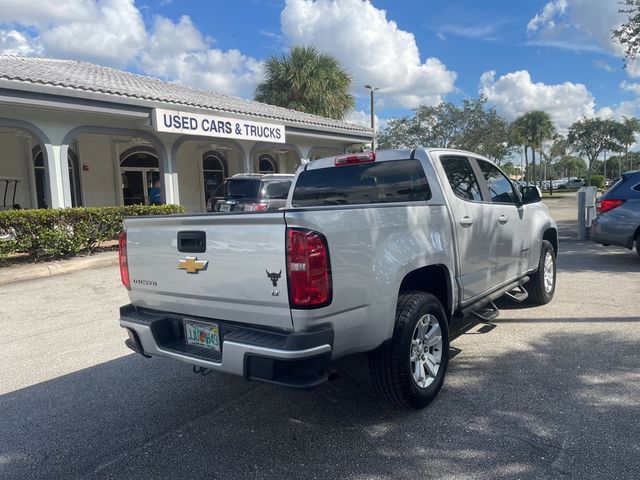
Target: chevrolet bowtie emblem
192, 264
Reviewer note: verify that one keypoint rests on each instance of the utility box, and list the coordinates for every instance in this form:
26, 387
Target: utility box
586, 209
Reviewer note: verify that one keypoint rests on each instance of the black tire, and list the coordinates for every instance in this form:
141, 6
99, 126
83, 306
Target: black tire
539, 294
391, 365
638, 245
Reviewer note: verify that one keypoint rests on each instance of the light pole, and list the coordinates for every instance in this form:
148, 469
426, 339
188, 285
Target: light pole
373, 123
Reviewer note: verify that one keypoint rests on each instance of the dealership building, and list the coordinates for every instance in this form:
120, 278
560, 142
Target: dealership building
77, 134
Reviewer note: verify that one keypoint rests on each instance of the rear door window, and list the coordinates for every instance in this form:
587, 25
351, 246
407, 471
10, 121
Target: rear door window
376, 182
461, 178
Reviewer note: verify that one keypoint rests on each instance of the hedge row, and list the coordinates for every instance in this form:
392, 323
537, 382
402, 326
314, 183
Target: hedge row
61, 232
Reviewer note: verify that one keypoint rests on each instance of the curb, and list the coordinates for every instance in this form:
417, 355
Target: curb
23, 273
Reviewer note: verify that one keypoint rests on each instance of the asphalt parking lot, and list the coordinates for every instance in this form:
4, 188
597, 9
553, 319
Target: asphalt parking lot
545, 392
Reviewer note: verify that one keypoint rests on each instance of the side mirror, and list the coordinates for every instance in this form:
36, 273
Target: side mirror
530, 194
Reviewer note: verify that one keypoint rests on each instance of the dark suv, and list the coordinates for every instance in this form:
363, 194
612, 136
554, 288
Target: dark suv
618, 219
251, 193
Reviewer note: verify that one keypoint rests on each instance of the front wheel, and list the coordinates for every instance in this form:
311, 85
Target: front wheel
410, 370
542, 285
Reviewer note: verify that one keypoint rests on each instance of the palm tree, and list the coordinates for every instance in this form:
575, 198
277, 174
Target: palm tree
535, 127
308, 81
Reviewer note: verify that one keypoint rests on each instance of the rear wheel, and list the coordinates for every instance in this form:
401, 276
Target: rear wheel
410, 370
638, 245
542, 285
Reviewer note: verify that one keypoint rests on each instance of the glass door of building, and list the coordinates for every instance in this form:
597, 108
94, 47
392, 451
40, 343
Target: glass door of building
140, 187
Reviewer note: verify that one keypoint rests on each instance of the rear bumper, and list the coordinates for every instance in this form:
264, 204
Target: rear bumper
297, 360
612, 231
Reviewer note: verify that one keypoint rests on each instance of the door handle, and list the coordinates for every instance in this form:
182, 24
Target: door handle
466, 221
503, 219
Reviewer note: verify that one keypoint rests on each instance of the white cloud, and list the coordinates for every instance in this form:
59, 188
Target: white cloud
39, 13
545, 19
578, 25
602, 65
375, 50
112, 32
178, 51
515, 93
619, 111
106, 31
363, 119
476, 32
630, 87
13, 42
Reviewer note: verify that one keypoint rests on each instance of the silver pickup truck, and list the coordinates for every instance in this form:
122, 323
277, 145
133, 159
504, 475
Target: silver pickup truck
375, 252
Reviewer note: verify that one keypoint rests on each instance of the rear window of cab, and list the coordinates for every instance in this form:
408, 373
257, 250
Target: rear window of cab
366, 183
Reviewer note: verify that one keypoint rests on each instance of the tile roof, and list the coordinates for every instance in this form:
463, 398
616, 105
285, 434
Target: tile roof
84, 76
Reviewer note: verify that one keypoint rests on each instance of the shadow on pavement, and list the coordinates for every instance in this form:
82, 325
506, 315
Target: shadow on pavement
589, 256
564, 405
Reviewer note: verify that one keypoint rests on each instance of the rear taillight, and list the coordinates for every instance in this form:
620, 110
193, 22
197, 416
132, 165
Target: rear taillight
355, 158
308, 269
606, 205
256, 207
124, 262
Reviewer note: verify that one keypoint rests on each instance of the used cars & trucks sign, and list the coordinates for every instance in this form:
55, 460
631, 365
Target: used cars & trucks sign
216, 126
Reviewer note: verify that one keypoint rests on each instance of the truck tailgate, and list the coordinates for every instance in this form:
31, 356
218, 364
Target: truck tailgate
245, 254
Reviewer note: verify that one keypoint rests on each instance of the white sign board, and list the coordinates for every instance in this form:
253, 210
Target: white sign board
216, 126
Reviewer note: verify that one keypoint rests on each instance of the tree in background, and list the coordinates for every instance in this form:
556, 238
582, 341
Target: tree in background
569, 166
589, 137
509, 169
534, 128
614, 131
551, 152
484, 131
634, 160
627, 136
307, 81
629, 32
473, 127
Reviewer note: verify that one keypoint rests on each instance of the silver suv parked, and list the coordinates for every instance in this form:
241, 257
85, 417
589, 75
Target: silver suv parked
250, 192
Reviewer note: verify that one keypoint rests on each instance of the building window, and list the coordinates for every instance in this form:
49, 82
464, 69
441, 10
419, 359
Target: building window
267, 164
214, 171
140, 173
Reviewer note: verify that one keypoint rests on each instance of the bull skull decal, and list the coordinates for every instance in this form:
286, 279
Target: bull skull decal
274, 277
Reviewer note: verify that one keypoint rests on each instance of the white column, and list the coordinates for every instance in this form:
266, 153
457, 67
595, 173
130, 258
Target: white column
56, 181
248, 162
66, 181
169, 176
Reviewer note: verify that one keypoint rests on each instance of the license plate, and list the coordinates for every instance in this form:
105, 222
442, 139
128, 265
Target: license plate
225, 208
204, 335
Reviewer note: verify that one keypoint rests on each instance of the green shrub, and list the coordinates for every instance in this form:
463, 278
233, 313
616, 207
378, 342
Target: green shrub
597, 181
56, 233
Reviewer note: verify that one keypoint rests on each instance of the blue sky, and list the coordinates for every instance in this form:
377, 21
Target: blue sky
554, 55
